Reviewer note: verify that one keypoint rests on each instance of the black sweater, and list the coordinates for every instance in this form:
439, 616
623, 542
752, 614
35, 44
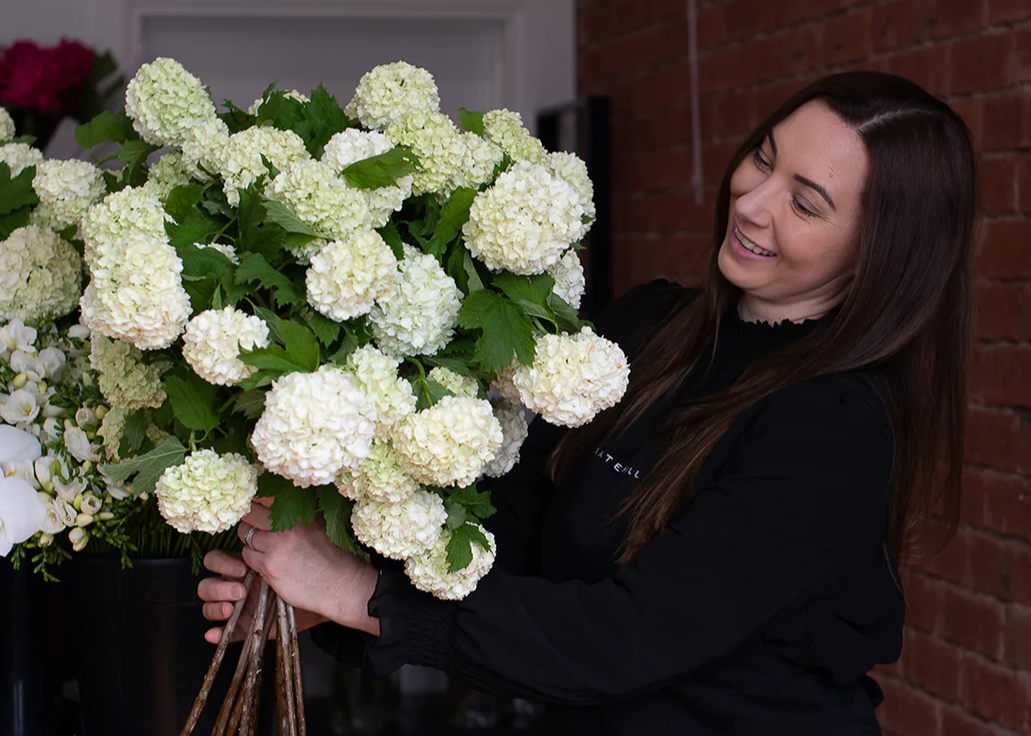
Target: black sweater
759, 610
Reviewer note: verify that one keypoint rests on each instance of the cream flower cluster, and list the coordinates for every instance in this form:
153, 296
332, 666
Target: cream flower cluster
167, 173
377, 375
429, 571
6, 125
203, 149
314, 426
449, 443
207, 493
348, 276
504, 129
379, 478
514, 430
390, 92
164, 101
122, 376
353, 145
573, 377
419, 319
525, 222
321, 199
571, 169
399, 530
240, 161
19, 156
479, 160
438, 143
40, 275
214, 339
570, 282
454, 382
68, 188
136, 293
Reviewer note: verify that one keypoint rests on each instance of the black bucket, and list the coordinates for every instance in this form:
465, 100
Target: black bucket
141, 650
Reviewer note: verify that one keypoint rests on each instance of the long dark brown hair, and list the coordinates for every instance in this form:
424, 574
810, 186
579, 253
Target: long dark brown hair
906, 317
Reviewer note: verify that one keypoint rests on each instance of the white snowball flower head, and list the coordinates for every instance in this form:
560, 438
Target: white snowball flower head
573, 377
480, 158
19, 156
420, 317
391, 92
505, 129
123, 378
136, 293
379, 478
207, 493
164, 101
429, 571
167, 173
353, 145
392, 395
437, 141
514, 430
456, 383
525, 222
40, 275
400, 530
69, 188
314, 426
6, 125
241, 163
570, 281
214, 339
449, 443
321, 199
571, 169
348, 276
203, 149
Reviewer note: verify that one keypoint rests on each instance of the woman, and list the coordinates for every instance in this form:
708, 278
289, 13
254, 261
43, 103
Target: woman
717, 554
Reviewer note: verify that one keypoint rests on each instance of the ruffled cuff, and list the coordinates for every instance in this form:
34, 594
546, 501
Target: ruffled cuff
414, 627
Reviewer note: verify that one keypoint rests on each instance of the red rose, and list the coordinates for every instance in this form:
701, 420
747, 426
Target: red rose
74, 60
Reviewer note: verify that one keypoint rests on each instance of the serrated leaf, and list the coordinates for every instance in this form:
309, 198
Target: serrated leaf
505, 330
182, 200
392, 238
286, 218
301, 345
193, 400
326, 330
382, 170
16, 192
107, 127
456, 513
193, 227
254, 234
336, 509
453, 364
476, 502
472, 122
567, 318
13, 221
453, 216
272, 361
133, 434
525, 288
290, 504
459, 547
250, 404
325, 118
148, 467
134, 154
427, 392
254, 268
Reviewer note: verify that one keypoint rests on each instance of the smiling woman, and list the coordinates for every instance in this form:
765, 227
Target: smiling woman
717, 555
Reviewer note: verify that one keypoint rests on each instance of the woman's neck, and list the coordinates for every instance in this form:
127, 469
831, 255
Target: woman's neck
753, 309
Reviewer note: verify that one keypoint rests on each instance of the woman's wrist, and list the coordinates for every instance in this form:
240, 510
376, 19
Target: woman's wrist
351, 607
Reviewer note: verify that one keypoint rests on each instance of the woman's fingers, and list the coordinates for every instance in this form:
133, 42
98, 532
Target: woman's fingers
260, 517
217, 611
213, 636
225, 563
216, 590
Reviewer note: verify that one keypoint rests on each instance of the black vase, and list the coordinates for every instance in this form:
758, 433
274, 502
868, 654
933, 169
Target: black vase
141, 650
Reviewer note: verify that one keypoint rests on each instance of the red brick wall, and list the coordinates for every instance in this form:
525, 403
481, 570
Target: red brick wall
965, 666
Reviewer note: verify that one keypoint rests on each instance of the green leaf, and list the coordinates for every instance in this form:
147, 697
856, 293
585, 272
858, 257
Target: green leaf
476, 502
16, 192
459, 547
336, 509
427, 392
325, 119
182, 200
567, 318
453, 216
392, 237
525, 288
290, 504
10, 223
284, 217
326, 330
382, 170
273, 361
254, 268
254, 234
147, 468
107, 127
134, 154
133, 434
475, 284
505, 330
456, 513
193, 400
454, 364
248, 403
472, 122
301, 345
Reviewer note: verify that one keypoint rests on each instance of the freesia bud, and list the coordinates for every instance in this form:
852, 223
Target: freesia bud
20, 380
78, 537
42, 386
83, 520
101, 411
105, 516
87, 466
45, 540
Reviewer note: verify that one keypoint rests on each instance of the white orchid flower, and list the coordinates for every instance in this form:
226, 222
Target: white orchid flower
78, 443
30, 365
53, 361
15, 335
17, 445
22, 513
21, 407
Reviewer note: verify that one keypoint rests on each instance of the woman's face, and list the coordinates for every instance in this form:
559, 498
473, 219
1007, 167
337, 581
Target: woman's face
795, 213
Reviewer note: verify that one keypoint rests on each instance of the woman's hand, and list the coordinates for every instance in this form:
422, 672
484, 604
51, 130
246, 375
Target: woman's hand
308, 571
221, 594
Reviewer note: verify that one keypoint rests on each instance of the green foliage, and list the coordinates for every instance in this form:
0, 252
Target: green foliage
248, 403
453, 216
477, 503
16, 192
134, 154
193, 400
504, 330
392, 238
133, 434
326, 330
290, 504
427, 391
107, 127
567, 318
336, 509
324, 118
382, 170
472, 122
459, 547
148, 467
255, 269
284, 217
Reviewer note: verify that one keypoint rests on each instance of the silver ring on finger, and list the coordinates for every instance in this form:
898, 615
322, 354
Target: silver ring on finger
248, 536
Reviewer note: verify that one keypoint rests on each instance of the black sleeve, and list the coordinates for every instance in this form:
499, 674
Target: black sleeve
521, 496
804, 488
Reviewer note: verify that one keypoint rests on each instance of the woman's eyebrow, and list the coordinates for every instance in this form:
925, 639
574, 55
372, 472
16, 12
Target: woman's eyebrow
803, 180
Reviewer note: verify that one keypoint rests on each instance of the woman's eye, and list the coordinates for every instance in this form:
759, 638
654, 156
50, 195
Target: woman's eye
802, 208
760, 160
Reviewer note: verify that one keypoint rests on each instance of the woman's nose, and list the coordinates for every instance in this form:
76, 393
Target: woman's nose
756, 205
